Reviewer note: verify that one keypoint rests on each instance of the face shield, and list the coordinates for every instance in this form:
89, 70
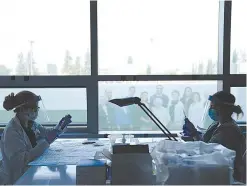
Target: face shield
206, 119
34, 110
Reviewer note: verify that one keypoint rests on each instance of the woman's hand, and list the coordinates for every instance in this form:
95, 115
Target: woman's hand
63, 123
51, 136
189, 128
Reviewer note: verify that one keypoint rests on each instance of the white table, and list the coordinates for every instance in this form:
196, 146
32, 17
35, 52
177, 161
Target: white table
65, 173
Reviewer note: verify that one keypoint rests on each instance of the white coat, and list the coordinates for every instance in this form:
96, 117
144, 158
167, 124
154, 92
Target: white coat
17, 150
195, 113
162, 114
178, 117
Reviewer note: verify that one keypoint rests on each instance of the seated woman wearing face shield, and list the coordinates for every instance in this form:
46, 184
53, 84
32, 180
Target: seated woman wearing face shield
223, 129
19, 141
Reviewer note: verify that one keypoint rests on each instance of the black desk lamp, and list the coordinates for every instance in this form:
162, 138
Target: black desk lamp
135, 100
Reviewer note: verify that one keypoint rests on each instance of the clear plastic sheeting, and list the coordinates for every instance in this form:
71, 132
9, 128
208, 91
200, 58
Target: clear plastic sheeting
195, 155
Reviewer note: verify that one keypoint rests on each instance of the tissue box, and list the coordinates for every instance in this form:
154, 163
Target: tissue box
91, 172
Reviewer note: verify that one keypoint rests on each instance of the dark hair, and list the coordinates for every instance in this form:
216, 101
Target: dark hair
12, 101
186, 88
228, 101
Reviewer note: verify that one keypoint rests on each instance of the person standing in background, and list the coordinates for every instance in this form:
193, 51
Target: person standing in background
122, 118
186, 99
176, 111
108, 94
160, 112
159, 94
142, 121
125, 116
131, 109
195, 109
144, 98
132, 91
106, 114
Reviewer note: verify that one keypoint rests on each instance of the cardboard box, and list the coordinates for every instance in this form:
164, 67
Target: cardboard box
91, 172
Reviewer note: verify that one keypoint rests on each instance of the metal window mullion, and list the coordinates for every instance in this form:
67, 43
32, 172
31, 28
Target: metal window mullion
92, 88
224, 48
160, 77
44, 81
237, 80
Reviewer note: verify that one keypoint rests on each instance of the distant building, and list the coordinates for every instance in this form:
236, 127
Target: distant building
51, 69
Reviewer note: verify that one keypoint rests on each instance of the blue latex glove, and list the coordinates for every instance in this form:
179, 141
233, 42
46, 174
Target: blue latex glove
188, 128
52, 135
63, 123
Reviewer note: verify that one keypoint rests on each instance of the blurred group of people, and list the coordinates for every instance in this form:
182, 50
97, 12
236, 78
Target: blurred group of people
170, 111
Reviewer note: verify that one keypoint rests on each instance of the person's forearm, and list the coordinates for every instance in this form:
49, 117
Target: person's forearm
44, 132
38, 150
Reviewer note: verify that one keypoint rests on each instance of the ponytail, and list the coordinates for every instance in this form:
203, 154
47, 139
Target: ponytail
10, 102
238, 110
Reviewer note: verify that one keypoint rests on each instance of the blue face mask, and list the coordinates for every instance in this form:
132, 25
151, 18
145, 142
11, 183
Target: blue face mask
213, 114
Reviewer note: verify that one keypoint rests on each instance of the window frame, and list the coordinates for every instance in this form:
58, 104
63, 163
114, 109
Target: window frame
90, 82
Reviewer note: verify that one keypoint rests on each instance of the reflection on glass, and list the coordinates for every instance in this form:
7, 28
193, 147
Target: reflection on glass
49, 175
45, 37
157, 37
240, 94
168, 101
239, 37
58, 103
60, 175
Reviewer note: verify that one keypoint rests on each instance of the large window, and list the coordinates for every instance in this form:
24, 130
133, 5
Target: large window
45, 37
169, 101
57, 102
239, 37
78, 54
157, 37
